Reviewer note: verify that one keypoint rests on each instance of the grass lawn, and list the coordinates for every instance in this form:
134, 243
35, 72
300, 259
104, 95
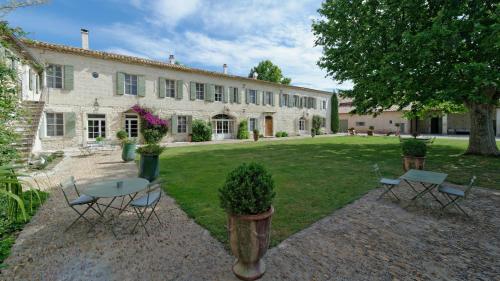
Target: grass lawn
313, 177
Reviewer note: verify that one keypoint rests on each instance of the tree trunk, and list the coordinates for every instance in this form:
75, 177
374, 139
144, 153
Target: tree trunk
482, 136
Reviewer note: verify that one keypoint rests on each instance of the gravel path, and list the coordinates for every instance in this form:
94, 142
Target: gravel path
366, 240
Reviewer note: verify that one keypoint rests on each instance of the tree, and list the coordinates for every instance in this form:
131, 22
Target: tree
416, 54
334, 118
268, 71
11, 5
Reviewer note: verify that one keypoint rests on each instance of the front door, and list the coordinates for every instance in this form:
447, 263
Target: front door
435, 125
269, 126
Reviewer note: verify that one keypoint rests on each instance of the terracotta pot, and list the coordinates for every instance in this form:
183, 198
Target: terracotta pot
412, 162
255, 136
249, 239
370, 133
190, 138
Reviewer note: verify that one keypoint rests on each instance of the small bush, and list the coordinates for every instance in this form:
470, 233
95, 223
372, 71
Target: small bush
243, 130
413, 147
281, 134
201, 131
150, 149
371, 128
153, 135
121, 135
249, 190
316, 124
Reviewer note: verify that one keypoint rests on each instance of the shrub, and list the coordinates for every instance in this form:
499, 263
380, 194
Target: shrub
278, 134
281, 134
201, 131
413, 147
99, 139
248, 190
121, 135
150, 149
335, 123
316, 124
243, 130
371, 128
153, 135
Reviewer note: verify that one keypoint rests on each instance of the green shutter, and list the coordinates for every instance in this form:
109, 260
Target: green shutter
41, 130
272, 98
192, 90
281, 100
209, 92
189, 124
161, 87
231, 96
174, 124
68, 77
69, 124
258, 95
226, 94
315, 103
141, 86
246, 96
120, 83
180, 89
238, 95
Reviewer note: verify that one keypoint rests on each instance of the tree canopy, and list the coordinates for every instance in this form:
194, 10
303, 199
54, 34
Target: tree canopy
268, 71
417, 54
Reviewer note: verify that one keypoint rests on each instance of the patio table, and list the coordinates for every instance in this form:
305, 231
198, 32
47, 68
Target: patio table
114, 189
429, 180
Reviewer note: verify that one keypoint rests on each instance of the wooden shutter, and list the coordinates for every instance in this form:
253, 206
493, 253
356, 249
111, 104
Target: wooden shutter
281, 100
238, 95
120, 83
161, 87
141, 86
315, 103
68, 77
272, 98
69, 124
226, 94
179, 91
264, 94
189, 122
231, 96
192, 90
174, 124
41, 129
246, 96
209, 92
257, 97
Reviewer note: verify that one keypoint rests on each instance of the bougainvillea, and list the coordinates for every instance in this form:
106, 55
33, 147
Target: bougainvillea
153, 128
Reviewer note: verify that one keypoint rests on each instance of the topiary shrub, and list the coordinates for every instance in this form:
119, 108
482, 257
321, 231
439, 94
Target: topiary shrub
316, 125
153, 135
413, 147
121, 135
243, 130
201, 131
249, 190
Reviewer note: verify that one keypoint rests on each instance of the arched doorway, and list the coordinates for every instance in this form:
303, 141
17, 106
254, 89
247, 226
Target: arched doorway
269, 126
222, 127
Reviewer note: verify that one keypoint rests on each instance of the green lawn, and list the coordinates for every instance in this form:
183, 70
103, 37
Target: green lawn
313, 177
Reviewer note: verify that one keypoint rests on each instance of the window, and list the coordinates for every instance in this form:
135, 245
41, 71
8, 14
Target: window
55, 124
252, 124
234, 95
252, 96
55, 76
131, 85
323, 105
182, 123
302, 124
200, 91
170, 88
284, 100
132, 126
296, 101
269, 98
218, 93
360, 124
96, 125
323, 122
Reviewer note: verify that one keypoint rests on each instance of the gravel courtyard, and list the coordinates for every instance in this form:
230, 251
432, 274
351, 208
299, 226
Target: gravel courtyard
366, 240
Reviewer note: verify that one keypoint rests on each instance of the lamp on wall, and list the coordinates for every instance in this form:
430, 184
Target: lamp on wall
96, 105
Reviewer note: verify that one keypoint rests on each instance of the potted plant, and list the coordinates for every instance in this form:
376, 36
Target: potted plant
121, 135
247, 197
128, 149
414, 152
255, 135
370, 130
352, 131
99, 139
149, 165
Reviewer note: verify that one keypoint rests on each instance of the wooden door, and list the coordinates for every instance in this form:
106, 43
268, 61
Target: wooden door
269, 126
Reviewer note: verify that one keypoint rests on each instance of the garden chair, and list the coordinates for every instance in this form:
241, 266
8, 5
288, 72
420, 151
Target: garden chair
81, 200
456, 195
388, 184
148, 201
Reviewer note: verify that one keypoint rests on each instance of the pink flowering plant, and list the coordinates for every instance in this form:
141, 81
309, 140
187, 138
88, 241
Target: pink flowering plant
153, 128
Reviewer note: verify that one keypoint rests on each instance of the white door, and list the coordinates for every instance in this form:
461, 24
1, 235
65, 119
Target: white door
96, 126
302, 126
132, 126
222, 129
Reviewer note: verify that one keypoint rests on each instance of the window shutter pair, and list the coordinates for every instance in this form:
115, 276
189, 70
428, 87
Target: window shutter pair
120, 83
192, 90
179, 93
68, 77
161, 87
209, 92
69, 124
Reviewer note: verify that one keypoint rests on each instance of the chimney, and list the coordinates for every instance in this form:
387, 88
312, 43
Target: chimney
255, 75
224, 68
171, 59
85, 38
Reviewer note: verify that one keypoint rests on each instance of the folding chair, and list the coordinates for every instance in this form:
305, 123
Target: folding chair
82, 200
147, 201
456, 195
388, 184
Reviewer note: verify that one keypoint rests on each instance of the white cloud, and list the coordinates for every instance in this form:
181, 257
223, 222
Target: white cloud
166, 13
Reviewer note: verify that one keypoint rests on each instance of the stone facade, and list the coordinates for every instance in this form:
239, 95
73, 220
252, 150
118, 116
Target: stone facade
93, 90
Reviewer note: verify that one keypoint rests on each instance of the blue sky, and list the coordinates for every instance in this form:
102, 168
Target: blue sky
201, 34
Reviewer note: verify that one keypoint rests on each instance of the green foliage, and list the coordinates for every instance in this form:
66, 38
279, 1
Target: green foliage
414, 147
243, 130
99, 139
248, 190
335, 120
150, 149
281, 134
129, 141
268, 71
371, 128
153, 135
201, 131
316, 124
121, 135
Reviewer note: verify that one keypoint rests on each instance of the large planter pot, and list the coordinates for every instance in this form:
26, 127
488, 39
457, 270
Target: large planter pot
255, 136
412, 162
370, 133
249, 239
149, 167
128, 152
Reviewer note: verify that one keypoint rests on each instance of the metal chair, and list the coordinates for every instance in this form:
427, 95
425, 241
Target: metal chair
456, 195
82, 200
148, 201
388, 184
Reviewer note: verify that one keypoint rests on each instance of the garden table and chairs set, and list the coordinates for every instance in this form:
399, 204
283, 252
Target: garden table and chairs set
427, 182
125, 190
